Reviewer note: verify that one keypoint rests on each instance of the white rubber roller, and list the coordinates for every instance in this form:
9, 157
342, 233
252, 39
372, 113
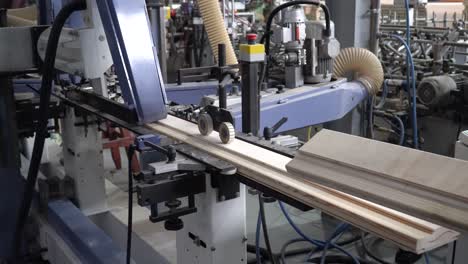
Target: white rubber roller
214, 25
226, 132
364, 63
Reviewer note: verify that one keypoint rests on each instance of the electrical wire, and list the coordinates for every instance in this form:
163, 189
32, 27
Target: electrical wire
384, 95
41, 130
335, 235
298, 251
454, 251
370, 125
413, 89
266, 37
257, 238
368, 253
339, 259
402, 129
401, 125
426, 258
265, 228
340, 229
286, 245
409, 60
317, 243
130, 153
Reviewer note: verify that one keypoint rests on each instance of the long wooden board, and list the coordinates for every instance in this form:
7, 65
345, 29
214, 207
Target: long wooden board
423, 184
269, 169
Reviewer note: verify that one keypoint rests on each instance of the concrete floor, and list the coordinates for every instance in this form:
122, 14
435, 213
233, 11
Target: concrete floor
312, 223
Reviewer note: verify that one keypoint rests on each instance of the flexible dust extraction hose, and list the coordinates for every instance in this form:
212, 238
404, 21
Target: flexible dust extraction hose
214, 25
364, 63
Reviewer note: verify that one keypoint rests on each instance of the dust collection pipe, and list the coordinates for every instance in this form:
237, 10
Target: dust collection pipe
363, 63
214, 25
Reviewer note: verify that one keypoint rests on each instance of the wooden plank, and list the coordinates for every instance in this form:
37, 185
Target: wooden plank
422, 184
269, 168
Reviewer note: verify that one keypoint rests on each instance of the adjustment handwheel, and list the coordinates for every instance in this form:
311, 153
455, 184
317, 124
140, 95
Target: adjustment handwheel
226, 132
205, 124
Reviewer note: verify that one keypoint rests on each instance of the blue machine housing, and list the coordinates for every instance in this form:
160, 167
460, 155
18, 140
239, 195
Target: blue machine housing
307, 105
304, 106
135, 58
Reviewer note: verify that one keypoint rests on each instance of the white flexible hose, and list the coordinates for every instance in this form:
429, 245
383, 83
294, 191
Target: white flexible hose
214, 25
364, 63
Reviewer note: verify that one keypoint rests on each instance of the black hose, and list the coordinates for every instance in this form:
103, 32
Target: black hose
266, 37
275, 11
130, 153
265, 229
41, 130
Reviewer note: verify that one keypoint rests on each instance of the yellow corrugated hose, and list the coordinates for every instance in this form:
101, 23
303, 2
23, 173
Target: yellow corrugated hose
214, 25
362, 62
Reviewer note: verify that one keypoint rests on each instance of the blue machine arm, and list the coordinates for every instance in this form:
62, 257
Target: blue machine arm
135, 58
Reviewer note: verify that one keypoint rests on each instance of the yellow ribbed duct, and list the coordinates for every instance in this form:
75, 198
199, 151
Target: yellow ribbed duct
214, 26
364, 63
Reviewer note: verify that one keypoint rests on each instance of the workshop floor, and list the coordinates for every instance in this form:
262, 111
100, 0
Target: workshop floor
312, 223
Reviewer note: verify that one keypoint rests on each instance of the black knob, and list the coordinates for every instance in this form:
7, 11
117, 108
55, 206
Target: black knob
173, 204
171, 153
280, 88
267, 133
174, 224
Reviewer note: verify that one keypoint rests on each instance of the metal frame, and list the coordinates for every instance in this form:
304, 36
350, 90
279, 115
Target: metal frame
136, 62
89, 242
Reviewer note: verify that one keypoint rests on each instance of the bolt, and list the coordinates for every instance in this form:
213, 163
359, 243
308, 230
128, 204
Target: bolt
213, 249
244, 239
101, 38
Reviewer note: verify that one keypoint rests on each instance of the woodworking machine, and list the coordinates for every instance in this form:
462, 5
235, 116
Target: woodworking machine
200, 196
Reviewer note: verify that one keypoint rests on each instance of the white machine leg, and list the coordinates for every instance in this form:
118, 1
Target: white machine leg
216, 233
83, 161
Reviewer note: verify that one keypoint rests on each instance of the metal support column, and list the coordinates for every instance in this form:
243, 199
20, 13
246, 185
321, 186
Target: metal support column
251, 55
216, 233
352, 19
250, 98
83, 160
158, 30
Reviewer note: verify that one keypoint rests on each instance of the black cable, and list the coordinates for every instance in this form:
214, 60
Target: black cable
287, 244
370, 124
266, 37
265, 229
41, 130
454, 251
333, 259
368, 253
299, 251
130, 153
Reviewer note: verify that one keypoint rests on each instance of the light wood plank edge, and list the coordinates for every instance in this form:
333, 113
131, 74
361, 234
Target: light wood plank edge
394, 194
416, 171
407, 232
